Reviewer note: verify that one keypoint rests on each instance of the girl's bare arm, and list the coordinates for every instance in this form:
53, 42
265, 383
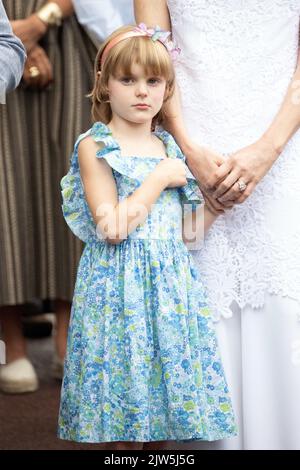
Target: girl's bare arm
196, 224
115, 219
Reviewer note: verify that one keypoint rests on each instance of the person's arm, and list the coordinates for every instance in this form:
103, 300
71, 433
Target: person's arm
195, 225
152, 13
117, 219
155, 13
31, 29
203, 162
39, 59
287, 120
252, 163
12, 56
101, 17
66, 7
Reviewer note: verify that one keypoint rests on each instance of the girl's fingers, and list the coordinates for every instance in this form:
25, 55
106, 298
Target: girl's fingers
229, 204
211, 208
214, 205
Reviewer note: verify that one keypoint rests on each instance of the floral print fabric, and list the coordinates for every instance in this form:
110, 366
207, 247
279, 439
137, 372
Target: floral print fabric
142, 362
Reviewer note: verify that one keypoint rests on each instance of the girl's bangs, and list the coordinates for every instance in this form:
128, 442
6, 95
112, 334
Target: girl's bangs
151, 56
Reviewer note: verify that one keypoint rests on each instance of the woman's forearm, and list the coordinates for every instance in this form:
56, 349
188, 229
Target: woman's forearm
152, 12
155, 12
287, 120
174, 122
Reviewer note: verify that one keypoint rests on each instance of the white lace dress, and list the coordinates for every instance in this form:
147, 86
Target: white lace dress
237, 60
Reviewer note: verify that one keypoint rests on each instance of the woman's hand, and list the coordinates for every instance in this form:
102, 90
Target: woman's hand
29, 30
250, 164
39, 59
204, 163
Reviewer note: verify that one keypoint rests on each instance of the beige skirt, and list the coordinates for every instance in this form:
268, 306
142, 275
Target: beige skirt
38, 253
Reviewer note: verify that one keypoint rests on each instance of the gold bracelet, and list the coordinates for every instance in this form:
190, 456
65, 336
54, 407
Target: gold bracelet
51, 14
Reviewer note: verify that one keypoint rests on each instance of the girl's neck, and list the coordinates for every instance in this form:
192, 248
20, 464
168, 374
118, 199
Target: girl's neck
130, 130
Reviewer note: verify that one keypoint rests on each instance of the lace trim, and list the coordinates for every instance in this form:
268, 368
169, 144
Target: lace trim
251, 250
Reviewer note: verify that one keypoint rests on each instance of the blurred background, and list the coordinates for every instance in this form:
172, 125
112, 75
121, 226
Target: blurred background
39, 255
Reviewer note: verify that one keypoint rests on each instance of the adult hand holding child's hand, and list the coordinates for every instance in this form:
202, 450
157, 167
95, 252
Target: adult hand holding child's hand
204, 163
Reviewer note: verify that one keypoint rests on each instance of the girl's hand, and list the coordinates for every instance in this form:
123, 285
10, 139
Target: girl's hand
204, 164
38, 58
250, 164
29, 30
173, 172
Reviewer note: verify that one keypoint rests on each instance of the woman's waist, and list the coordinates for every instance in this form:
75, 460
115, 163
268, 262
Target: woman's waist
229, 125
238, 88
229, 135
233, 102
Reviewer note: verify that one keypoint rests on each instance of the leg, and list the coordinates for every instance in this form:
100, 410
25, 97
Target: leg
120, 445
12, 334
62, 310
18, 375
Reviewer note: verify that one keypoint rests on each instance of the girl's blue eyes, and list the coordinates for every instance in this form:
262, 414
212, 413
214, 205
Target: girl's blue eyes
130, 80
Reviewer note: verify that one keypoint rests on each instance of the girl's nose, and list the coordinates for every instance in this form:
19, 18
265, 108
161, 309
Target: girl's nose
141, 89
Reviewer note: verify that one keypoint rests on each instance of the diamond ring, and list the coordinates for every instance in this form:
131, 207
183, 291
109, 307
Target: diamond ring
242, 185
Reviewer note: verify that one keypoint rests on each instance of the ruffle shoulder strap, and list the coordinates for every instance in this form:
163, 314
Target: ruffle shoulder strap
190, 192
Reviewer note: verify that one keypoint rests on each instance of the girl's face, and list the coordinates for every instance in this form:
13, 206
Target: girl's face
136, 97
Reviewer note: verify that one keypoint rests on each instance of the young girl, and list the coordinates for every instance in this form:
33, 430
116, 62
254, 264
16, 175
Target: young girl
142, 363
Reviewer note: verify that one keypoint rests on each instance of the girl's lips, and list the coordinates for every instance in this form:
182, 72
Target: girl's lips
143, 106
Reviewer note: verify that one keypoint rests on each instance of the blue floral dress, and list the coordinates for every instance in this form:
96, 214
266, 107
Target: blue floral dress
142, 361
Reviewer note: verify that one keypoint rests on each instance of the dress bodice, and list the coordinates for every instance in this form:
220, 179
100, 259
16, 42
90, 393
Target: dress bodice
165, 219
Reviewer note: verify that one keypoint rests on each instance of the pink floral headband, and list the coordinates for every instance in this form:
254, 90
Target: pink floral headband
155, 34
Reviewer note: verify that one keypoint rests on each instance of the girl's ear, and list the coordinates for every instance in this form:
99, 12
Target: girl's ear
167, 93
99, 74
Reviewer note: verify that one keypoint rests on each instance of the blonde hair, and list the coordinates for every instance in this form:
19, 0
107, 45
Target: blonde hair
151, 55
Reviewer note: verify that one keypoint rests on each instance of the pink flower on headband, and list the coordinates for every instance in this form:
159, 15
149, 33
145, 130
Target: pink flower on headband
173, 50
157, 34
